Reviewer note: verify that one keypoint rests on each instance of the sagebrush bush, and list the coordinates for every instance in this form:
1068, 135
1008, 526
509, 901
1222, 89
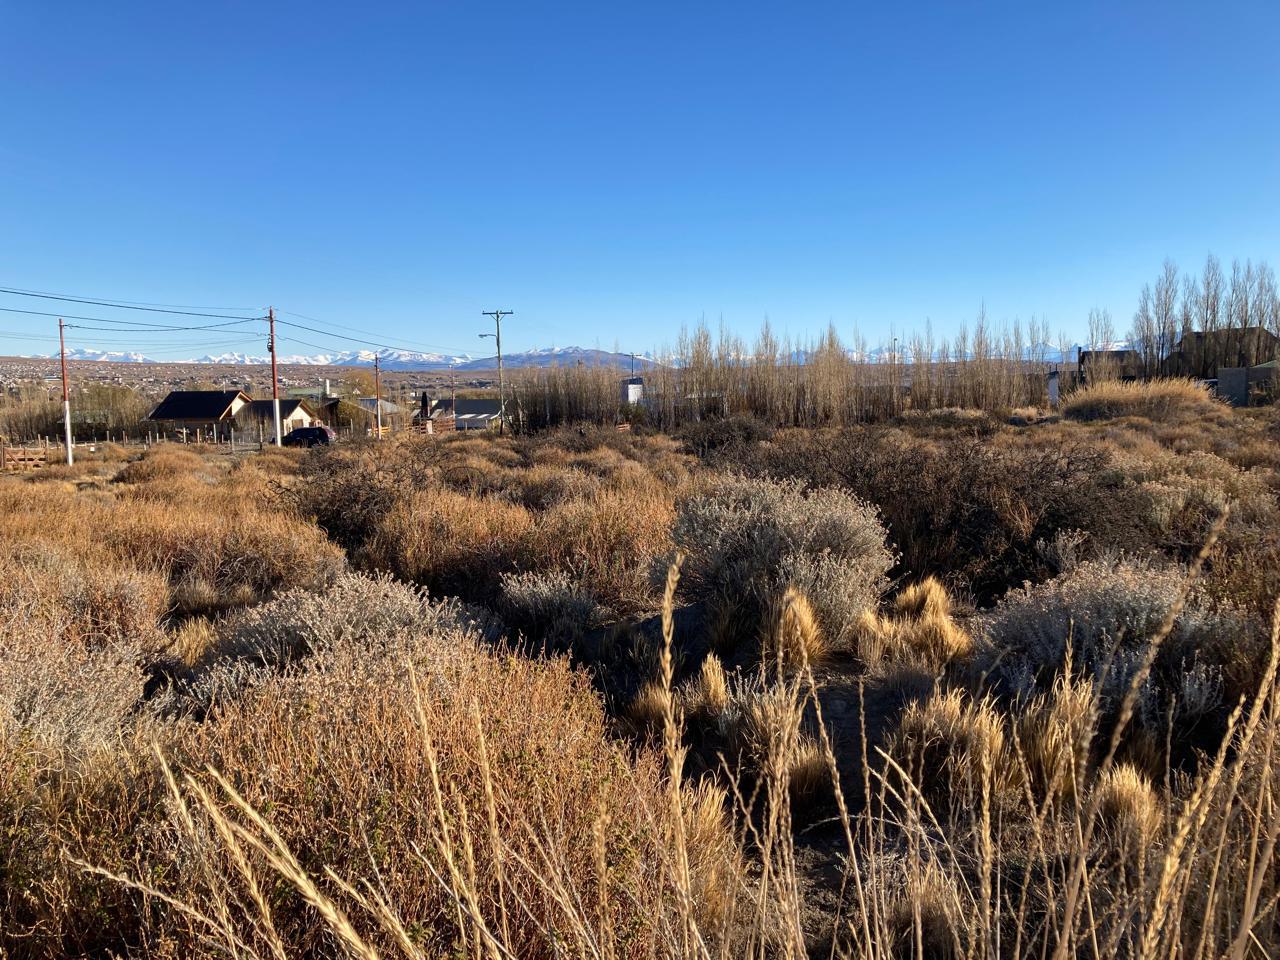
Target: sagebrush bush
354, 610
1098, 619
957, 506
552, 607
748, 540
1103, 612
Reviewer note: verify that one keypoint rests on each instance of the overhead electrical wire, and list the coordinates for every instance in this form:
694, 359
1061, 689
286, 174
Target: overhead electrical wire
141, 325
119, 304
338, 336
13, 334
223, 327
135, 303
117, 325
341, 326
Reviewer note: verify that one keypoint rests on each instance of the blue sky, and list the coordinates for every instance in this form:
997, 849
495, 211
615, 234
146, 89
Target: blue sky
615, 171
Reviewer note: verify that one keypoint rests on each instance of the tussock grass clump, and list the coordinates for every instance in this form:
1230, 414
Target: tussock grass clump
792, 638
447, 541
216, 545
1162, 400
926, 917
928, 598
1055, 731
918, 633
456, 513
1128, 806
80, 600
608, 542
709, 694
648, 709
956, 749
161, 464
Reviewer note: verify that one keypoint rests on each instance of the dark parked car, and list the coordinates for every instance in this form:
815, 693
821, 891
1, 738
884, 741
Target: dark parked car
309, 437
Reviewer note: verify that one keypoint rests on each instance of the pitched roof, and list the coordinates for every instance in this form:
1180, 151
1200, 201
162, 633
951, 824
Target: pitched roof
262, 409
476, 406
203, 405
371, 404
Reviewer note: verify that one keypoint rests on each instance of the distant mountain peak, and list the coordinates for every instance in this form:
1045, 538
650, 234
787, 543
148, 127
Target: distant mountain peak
401, 360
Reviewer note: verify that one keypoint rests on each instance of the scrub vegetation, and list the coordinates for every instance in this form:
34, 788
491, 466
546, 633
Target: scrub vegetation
954, 684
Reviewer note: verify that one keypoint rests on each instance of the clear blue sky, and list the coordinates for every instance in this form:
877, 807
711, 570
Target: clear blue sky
614, 171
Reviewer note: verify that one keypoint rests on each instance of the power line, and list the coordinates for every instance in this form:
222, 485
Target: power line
136, 303
329, 333
119, 305
329, 323
142, 325
231, 327
14, 335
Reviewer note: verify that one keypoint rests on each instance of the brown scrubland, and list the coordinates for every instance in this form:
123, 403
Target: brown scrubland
951, 684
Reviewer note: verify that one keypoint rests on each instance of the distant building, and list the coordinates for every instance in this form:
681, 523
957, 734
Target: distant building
1202, 353
480, 413
632, 390
294, 413
212, 410
1244, 386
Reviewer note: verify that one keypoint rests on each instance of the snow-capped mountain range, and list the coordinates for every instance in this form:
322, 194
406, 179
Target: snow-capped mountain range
396, 359
548, 357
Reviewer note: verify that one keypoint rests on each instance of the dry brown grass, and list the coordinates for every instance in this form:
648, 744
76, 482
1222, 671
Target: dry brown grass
1129, 806
473, 823
608, 542
1161, 400
446, 540
919, 632
1055, 731
709, 694
190, 520
792, 638
957, 751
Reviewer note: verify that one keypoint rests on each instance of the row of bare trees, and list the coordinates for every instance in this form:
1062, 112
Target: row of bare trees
1185, 325
1191, 325
29, 411
826, 382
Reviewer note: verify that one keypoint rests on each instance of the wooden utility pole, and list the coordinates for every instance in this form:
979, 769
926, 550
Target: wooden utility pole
497, 336
66, 395
377, 393
275, 380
